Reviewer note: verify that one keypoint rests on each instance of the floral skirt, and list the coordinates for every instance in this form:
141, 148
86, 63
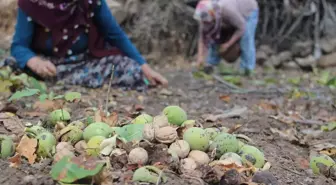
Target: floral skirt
94, 72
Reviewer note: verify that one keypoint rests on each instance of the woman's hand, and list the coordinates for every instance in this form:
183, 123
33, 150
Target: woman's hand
43, 68
153, 76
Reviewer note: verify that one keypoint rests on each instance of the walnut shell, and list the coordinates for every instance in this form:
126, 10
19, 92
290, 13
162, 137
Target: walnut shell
201, 158
160, 121
138, 156
149, 132
187, 164
181, 148
166, 135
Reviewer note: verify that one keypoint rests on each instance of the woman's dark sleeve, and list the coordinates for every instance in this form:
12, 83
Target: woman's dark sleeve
114, 34
20, 47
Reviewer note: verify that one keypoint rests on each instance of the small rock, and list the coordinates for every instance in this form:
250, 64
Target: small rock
327, 61
302, 49
261, 57
328, 45
265, 178
291, 65
285, 56
307, 61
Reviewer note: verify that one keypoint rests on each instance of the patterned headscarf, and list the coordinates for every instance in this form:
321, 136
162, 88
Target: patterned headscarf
208, 14
65, 20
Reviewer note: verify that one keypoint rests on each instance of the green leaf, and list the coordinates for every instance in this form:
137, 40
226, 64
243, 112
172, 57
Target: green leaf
225, 70
132, 132
24, 93
324, 78
51, 95
43, 97
332, 83
233, 79
72, 96
330, 127
271, 80
201, 75
38, 85
294, 81
72, 169
89, 120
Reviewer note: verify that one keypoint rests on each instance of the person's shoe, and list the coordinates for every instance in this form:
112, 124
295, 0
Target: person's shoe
208, 69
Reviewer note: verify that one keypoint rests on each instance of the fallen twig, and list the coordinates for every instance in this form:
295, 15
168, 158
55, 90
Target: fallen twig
227, 84
308, 122
109, 89
293, 171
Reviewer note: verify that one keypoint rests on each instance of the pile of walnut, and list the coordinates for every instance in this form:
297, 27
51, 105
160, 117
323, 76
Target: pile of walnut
188, 146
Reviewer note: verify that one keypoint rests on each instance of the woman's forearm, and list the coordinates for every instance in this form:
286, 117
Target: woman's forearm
202, 50
235, 37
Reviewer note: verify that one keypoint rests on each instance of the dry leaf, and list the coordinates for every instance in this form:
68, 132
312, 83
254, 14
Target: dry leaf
289, 134
225, 167
249, 183
27, 148
267, 166
98, 116
11, 123
284, 119
166, 92
139, 107
326, 148
15, 161
225, 98
34, 114
47, 105
210, 118
303, 163
234, 129
111, 120
141, 99
8, 107
235, 112
104, 177
268, 106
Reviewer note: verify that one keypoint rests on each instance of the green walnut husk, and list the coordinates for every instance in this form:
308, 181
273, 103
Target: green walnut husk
7, 147
93, 146
149, 174
224, 143
96, 129
35, 130
78, 124
197, 139
143, 119
59, 115
253, 155
212, 132
46, 145
175, 114
321, 164
71, 134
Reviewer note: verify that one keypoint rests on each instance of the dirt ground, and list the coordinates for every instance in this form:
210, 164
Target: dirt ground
204, 99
